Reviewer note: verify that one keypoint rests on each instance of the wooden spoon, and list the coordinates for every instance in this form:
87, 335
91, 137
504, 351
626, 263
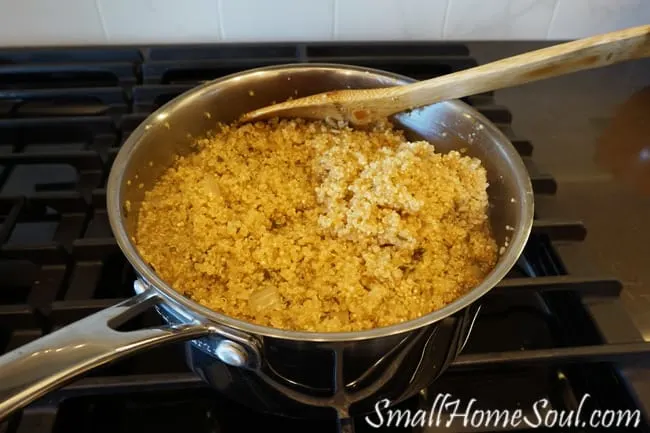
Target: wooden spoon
359, 107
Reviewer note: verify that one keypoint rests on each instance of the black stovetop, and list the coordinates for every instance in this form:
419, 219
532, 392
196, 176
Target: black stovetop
64, 114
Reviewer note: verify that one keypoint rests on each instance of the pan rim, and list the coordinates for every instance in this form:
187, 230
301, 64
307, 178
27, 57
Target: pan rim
116, 219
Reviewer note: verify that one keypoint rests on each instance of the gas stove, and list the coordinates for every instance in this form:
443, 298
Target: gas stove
543, 335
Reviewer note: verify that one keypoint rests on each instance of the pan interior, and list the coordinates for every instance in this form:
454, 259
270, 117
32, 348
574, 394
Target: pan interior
450, 125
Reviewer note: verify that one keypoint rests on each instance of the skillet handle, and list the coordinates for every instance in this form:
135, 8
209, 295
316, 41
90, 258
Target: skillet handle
30, 371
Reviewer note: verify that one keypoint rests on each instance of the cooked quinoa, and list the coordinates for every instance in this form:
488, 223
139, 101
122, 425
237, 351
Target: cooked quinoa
298, 225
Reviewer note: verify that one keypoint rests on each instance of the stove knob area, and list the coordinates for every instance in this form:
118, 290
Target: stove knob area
231, 353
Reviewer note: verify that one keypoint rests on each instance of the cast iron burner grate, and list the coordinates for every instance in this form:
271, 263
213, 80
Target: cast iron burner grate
542, 333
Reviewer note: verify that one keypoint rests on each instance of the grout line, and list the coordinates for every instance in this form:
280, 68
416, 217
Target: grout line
100, 12
221, 34
445, 20
552, 20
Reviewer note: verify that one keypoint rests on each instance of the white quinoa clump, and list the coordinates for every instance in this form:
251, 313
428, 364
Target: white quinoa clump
298, 225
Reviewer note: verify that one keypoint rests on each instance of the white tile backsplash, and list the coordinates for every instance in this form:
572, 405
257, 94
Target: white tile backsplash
277, 20
581, 18
94, 22
498, 19
389, 19
160, 21
49, 22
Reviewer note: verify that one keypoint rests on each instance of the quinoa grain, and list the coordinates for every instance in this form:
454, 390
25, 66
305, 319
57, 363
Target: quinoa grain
295, 225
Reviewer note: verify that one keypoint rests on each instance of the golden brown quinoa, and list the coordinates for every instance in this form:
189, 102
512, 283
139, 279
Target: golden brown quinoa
296, 225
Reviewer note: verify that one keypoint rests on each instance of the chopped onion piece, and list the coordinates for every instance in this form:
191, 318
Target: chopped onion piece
263, 299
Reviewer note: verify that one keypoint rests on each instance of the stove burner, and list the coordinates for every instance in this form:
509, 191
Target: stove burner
542, 333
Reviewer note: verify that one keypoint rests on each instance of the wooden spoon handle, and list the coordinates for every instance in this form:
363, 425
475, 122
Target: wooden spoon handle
364, 106
583, 54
